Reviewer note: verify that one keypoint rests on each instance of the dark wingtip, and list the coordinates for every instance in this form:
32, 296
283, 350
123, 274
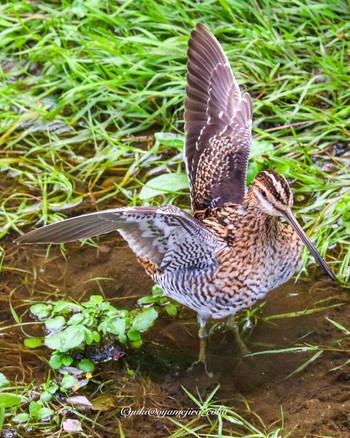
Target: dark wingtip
201, 28
24, 240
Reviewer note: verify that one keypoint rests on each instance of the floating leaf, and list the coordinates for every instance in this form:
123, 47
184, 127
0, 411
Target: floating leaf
65, 307
78, 318
86, 365
148, 299
136, 344
55, 361
157, 290
134, 335
68, 381
41, 311
89, 338
117, 326
152, 299
171, 309
144, 320
71, 337
106, 307
67, 361
338, 325
55, 323
33, 342
93, 301
96, 336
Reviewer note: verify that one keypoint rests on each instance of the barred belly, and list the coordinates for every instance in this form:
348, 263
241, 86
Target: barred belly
207, 294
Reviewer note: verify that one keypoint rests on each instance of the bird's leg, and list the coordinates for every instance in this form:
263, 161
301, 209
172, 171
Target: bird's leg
202, 334
232, 325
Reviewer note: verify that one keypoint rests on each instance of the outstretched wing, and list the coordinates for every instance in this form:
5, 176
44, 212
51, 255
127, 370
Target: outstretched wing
165, 236
217, 123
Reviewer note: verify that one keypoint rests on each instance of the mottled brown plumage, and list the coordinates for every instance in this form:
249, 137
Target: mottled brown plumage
234, 249
217, 123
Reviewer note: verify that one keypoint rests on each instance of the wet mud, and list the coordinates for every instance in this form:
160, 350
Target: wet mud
315, 401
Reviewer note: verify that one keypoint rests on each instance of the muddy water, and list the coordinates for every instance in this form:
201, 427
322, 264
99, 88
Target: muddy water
315, 402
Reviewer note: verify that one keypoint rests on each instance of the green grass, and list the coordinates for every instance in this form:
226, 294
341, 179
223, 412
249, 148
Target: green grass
338, 345
85, 83
219, 421
82, 80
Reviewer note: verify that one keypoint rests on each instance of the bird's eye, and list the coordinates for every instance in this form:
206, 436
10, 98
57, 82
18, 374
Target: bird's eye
263, 193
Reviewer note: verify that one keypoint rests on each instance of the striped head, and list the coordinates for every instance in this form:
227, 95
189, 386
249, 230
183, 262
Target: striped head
272, 193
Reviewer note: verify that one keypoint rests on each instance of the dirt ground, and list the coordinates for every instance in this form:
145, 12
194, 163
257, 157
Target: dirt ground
315, 402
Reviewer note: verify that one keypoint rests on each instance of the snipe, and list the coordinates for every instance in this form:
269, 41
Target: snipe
234, 249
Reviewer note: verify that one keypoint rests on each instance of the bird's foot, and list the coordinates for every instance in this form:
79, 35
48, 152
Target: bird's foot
242, 348
202, 357
233, 326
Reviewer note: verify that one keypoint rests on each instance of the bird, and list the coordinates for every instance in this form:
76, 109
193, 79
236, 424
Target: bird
233, 249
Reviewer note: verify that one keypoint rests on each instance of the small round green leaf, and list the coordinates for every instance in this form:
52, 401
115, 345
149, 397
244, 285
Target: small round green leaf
40, 310
71, 337
89, 338
55, 361
55, 323
68, 381
171, 309
65, 307
137, 344
93, 301
33, 342
157, 290
134, 335
116, 326
146, 300
67, 361
96, 336
77, 318
145, 319
86, 365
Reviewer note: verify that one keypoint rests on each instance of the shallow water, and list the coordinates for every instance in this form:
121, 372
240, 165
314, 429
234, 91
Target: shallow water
315, 401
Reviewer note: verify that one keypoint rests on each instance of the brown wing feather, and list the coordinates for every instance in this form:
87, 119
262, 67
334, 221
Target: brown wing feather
217, 124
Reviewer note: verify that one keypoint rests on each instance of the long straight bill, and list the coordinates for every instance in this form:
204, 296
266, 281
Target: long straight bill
291, 219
